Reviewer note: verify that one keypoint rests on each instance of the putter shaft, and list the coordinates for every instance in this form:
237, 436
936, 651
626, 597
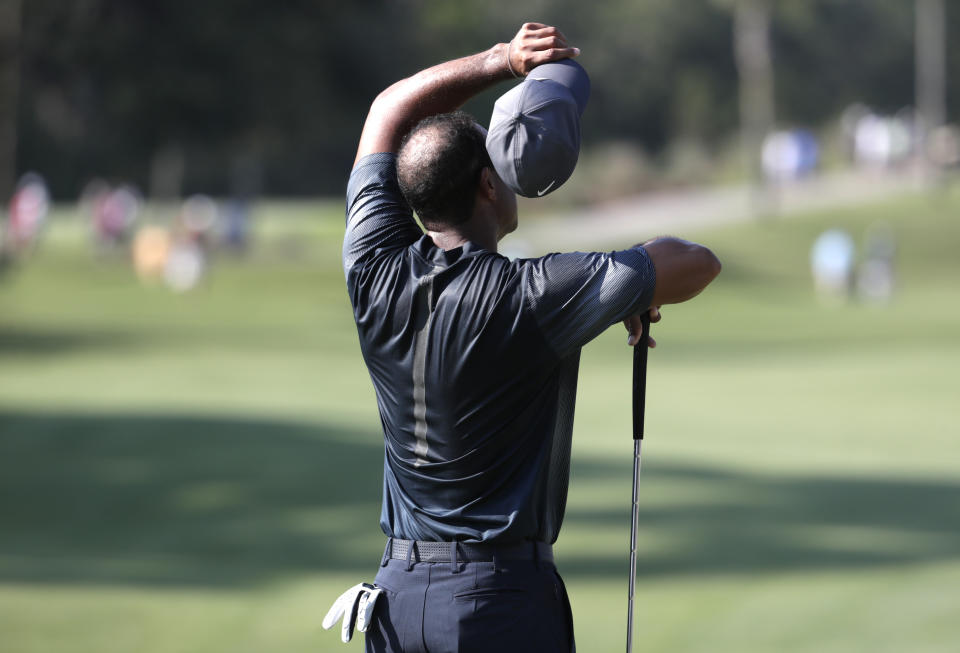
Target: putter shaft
639, 408
633, 541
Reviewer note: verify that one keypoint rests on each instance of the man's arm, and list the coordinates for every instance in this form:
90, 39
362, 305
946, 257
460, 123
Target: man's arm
683, 269
448, 86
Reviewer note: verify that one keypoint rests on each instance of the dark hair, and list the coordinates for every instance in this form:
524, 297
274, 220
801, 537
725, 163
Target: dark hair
438, 167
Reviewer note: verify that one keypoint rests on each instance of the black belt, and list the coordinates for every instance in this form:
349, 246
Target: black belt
466, 551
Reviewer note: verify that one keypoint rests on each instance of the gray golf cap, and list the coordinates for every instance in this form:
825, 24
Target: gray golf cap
534, 135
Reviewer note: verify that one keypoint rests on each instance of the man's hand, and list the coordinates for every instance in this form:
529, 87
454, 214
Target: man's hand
635, 327
537, 44
445, 87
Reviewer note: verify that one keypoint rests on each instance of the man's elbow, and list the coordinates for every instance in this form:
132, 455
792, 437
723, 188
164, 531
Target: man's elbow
383, 101
390, 97
683, 269
705, 269
389, 111
711, 265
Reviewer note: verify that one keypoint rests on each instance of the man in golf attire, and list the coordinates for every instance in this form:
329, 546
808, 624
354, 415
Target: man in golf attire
474, 357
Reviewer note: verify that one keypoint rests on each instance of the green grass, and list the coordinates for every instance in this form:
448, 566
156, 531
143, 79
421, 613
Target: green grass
201, 472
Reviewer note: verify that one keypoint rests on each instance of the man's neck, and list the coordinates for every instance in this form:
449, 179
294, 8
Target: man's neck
476, 230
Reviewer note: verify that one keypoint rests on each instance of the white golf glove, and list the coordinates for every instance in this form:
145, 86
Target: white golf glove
356, 607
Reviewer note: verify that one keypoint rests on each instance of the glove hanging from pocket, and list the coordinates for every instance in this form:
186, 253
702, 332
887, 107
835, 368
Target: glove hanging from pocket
356, 607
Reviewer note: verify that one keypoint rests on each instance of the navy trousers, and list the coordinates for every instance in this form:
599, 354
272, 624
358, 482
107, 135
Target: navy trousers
511, 606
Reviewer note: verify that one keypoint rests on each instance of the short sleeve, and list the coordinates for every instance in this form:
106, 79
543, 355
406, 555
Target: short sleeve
377, 215
576, 296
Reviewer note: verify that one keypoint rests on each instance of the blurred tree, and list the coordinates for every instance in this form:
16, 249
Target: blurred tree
930, 67
106, 85
832, 53
110, 84
9, 93
754, 64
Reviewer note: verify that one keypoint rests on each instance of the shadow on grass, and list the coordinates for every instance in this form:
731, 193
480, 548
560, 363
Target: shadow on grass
50, 342
752, 523
184, 500
211, 502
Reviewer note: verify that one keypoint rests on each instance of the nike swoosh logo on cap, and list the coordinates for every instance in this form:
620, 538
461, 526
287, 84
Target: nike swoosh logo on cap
540, 193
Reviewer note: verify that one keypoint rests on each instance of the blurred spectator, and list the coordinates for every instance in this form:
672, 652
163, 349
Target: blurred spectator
849, 120
880, 142
27, 213
112, 213
189, 247
245, 182
943, 146
91, 195
151, 250
875, 276
236, 225
185, 265
789, 155
199, 219
831, 260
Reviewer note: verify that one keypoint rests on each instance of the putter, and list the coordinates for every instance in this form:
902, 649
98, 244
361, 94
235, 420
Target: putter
639, 400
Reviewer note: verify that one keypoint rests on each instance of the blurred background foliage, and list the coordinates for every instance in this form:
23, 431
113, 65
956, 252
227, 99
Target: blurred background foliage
108, 86
190, 449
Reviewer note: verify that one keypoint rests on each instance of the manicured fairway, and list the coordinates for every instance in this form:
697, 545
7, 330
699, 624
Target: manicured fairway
202, 472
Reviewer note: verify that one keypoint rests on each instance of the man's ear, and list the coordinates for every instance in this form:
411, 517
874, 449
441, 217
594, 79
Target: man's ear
488, 184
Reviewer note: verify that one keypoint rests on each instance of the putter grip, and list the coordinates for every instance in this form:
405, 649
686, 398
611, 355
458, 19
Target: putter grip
640, 377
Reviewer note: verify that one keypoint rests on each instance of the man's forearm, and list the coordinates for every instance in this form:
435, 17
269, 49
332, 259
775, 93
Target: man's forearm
448, 86
439, 89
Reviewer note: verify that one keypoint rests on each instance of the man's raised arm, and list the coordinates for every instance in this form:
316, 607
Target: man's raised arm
448, 86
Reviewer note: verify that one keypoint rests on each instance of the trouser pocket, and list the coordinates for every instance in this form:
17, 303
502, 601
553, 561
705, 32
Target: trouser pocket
507, 612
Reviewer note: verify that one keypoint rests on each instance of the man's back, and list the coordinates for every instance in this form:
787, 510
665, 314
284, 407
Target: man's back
474, 359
